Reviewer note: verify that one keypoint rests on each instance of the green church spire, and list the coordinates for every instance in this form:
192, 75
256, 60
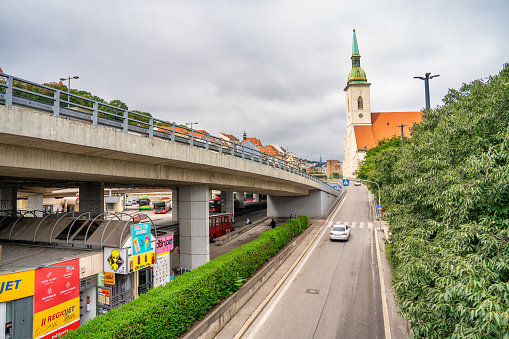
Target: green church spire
357, 74
355, 48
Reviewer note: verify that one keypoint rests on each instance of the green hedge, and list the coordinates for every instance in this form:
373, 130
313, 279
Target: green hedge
169, 311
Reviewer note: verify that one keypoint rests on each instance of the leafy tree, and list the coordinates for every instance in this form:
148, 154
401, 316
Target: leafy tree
447, 195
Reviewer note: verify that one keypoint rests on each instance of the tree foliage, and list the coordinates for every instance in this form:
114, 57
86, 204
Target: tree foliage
447, 196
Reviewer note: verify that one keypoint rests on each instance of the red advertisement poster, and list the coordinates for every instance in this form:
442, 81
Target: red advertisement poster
56, 285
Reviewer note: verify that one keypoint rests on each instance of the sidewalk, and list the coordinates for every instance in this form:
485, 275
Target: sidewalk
398, 325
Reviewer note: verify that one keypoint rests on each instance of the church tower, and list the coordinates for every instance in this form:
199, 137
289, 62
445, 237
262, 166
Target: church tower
358, 105
358, 111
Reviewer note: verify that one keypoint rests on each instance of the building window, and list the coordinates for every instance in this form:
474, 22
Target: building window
360, 105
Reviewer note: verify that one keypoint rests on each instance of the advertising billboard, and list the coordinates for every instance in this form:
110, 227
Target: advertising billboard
162, 269
16, 285
142, 252
56, 299
115, 260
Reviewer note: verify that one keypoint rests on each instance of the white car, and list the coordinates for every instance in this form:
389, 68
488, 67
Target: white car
340, 232
357, 183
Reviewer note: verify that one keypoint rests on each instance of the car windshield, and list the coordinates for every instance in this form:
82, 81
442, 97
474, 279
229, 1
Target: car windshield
339, 228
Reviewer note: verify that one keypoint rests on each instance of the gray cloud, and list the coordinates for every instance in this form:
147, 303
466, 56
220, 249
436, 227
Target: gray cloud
274, 68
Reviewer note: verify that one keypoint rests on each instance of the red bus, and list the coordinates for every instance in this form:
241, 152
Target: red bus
249, 197
162, 205
215, 206
219, 225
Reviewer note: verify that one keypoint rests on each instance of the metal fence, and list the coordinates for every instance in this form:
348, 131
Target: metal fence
19, 92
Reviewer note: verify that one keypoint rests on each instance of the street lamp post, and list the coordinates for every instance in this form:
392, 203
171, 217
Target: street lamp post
191, 124
402, 135
69, 86
426, 85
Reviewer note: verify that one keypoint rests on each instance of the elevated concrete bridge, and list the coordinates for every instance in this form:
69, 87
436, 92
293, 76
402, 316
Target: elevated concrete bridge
55, 139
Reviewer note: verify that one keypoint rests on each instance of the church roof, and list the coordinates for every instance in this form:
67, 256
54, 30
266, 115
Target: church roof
384, 125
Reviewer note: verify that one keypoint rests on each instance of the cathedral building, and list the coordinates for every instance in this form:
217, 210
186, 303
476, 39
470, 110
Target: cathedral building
364, 129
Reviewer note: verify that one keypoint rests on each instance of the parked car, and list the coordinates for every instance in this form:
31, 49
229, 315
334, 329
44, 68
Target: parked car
340, 232
129, 202
357, 183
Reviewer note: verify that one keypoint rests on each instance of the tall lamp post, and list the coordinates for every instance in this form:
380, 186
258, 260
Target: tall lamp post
402, 135
191, 124
69, 86
426, 78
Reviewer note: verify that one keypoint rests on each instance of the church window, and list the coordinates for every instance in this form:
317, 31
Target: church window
360, 104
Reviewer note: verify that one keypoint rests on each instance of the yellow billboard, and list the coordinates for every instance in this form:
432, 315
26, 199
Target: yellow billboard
62, 317
16, 285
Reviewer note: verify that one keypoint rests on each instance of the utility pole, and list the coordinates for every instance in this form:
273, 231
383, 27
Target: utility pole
402, 135
426, 85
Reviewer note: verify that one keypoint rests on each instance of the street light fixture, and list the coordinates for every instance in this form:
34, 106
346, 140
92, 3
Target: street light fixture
69, 85
191, 139
426, 85
402, 135
374, 182
191, 124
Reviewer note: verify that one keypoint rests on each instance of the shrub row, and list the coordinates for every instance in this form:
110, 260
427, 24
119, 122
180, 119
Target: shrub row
169, 311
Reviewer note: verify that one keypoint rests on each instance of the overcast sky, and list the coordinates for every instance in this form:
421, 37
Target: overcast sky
276, 69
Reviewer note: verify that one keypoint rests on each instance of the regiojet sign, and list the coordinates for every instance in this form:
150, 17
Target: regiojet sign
16, 285
56, 299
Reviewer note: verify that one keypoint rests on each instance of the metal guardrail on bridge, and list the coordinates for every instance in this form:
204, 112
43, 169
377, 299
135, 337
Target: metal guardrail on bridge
20, 92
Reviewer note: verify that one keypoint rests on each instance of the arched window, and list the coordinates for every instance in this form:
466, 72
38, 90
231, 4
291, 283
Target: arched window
360, 105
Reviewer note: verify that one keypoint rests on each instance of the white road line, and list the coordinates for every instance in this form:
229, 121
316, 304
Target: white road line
361, 224
353, 224
370, 225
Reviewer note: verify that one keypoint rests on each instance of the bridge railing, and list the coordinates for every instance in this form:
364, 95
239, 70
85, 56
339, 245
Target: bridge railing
19, 92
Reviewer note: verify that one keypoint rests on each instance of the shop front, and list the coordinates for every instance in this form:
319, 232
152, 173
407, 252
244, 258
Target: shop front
16, 304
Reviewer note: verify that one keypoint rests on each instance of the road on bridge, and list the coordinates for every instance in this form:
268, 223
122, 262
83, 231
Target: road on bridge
334, 292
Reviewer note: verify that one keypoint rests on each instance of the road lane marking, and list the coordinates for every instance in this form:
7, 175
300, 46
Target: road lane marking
370, 225
260, 308
353, 224
385, 311
361, 224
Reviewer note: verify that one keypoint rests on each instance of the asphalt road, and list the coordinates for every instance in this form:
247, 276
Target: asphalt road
335, 290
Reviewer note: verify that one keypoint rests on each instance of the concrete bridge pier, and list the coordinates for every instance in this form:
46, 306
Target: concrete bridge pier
227, 203
35, 203
194, 225
175, 205
92, 197
8, 198
256, 197
241, 199
314, 205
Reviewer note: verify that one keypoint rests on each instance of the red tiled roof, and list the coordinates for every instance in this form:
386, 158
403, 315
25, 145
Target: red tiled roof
270, 150
384, 126
231, 137
1, 70
255, 141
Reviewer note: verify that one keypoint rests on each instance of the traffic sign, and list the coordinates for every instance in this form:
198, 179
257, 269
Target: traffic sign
379, 208
346, 182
